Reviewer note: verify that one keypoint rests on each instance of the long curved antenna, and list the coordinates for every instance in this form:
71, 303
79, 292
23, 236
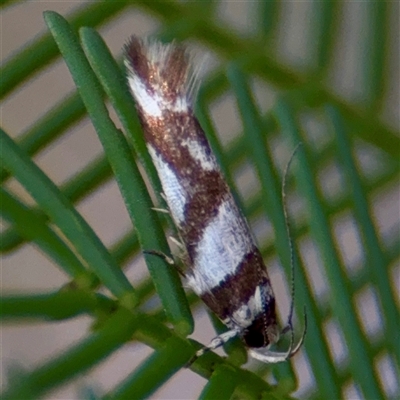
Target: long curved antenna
269, 356
288, 231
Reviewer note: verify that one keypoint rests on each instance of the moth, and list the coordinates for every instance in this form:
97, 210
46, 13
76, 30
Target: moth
224, 266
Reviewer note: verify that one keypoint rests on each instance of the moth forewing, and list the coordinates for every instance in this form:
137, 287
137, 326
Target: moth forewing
224, 266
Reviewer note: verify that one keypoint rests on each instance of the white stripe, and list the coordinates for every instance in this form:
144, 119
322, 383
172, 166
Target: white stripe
196, 150
154, 104
225, 242
174, 192
149, 104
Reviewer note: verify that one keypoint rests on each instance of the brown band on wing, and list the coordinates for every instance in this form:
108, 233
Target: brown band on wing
237, 289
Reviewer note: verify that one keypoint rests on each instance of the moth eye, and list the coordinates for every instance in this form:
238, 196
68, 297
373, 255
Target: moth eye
255, 338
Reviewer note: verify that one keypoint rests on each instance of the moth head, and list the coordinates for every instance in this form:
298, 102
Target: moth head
262, 332
264, 354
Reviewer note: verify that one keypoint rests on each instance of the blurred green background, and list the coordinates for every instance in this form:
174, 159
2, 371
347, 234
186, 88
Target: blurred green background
324, 73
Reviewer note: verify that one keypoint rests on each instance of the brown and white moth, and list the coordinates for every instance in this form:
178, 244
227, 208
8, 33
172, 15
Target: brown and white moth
224, 266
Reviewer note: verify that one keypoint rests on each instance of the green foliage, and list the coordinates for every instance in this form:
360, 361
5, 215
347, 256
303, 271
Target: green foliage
56, 227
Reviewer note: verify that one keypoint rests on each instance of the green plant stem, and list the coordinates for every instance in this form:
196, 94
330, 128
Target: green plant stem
34, 227
155, 370
130, 182
55, 306
79, 186
221, 384
117, 330
49, 127
43, 50
359, 354
70, 222
377, 260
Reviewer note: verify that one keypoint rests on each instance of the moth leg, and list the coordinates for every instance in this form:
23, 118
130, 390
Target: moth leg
178, 243
169, 260
215, 343
160, 210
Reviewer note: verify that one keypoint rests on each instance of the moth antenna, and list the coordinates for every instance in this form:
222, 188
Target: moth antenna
288, 231
169, 260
